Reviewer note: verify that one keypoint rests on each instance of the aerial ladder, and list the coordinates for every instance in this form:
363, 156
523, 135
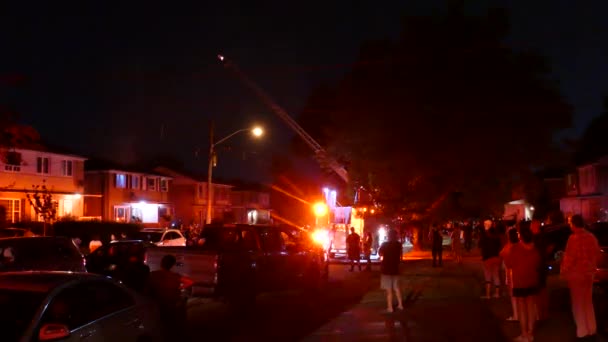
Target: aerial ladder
318, 150
334, 237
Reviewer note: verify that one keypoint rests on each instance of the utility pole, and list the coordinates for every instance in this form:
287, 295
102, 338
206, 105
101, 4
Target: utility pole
210, 173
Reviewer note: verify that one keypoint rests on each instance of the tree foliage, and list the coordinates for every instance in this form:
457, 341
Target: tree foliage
592, 144
446, 109
42, 201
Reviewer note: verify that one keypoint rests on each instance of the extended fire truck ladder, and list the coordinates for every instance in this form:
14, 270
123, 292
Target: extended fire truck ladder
319, 151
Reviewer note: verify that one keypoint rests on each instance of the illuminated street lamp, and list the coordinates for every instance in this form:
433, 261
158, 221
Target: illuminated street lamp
320, 209
256, 131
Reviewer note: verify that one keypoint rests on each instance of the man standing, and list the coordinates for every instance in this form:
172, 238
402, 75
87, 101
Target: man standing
436, 245
390, 251
578, 268
489, 242
353, 248
165, 287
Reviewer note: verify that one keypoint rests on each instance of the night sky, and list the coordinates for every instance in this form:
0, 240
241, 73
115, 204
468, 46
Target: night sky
131, 81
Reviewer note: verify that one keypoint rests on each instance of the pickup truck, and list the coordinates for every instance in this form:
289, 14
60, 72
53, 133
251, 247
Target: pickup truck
243, 260
236, 262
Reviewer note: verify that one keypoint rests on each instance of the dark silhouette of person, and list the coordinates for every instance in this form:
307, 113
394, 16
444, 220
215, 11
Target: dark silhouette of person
367, 249
353, 248
436, 245
165, 286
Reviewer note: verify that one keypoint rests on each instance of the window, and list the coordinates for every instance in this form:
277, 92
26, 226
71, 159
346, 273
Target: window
13, 162
120, 181
151, 184
12, 168
66, 208
289, 240
164, 185
120, 213
66, 167
171, 236
134, 182
248, 240
42, 165
13, 209
271, 241
102, 299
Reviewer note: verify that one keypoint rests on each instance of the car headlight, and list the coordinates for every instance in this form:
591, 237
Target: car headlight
321, 237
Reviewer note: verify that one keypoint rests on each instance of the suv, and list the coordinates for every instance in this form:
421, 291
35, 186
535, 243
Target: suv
161, 237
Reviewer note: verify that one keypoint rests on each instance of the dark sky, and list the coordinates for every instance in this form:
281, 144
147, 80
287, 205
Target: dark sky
106, 79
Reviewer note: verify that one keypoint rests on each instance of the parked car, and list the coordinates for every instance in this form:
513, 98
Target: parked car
40, 253
123, 260
66, 306
15, 232
601, 275
236, 262
161, 237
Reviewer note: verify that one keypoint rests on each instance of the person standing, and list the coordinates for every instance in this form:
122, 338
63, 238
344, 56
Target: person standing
489, 242
523, 259
164, 286
578, 268
513, 238
367, 249
436, 245
353, 248
456, 244
390, 252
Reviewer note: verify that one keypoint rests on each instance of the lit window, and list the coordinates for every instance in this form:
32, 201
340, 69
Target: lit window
42, 165
12, 208
121, 180
134, 182
66, 167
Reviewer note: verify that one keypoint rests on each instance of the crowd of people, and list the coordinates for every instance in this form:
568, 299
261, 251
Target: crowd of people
525, 258
516, 256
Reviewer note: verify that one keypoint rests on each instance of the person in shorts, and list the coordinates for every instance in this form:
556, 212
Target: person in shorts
524, 260
489, 243
390, 252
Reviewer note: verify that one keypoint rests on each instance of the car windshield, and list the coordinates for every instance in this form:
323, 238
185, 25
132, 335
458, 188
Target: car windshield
33, 249
18, 310
219, 238
148, 236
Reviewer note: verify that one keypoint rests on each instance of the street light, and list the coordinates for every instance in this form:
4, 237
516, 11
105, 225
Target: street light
256, 131
320, 209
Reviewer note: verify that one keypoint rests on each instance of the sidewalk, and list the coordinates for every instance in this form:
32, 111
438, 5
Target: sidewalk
443, 304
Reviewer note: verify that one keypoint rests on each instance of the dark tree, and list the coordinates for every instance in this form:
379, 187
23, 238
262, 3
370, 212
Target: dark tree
446, 109
42, 201
592, 144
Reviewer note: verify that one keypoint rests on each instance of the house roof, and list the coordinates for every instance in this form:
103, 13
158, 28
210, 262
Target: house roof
106, 165
248, 186
192, 176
